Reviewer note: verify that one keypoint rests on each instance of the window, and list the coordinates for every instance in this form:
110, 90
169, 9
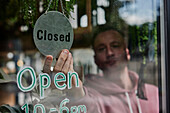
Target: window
120, 58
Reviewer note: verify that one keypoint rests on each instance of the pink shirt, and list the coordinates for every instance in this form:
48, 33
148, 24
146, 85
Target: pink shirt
102, 96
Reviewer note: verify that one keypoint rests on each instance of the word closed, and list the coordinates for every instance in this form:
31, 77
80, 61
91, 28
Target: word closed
44, 35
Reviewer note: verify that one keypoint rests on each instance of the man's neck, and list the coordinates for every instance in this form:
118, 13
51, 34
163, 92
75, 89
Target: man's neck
120, 77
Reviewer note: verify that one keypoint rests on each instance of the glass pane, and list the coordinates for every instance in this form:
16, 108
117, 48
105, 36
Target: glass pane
114, 65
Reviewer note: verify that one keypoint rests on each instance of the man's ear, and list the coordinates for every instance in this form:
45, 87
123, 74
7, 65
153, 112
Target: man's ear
95, 59
127, 54
99, 65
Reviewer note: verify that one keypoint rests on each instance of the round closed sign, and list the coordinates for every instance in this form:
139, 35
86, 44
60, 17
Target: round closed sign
52, 33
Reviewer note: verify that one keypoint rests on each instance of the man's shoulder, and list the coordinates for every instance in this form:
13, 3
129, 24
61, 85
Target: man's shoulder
151, 88
151, 92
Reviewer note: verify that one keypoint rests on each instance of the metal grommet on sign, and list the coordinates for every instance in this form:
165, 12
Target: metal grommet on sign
52, 33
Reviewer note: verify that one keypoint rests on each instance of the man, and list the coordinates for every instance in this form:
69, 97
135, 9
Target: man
116, 91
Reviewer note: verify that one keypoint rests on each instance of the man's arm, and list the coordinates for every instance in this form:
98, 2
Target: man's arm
76, 95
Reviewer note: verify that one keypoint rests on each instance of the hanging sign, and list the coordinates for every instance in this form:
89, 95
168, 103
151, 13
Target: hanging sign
52, 33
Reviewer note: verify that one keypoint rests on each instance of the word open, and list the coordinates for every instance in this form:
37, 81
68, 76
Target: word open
58, 78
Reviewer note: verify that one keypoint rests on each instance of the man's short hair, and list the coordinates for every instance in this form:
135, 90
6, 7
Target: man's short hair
103, 28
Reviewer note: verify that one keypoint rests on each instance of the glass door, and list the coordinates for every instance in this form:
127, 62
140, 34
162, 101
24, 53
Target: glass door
118, 63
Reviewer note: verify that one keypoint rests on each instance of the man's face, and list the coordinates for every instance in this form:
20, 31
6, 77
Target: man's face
109, 47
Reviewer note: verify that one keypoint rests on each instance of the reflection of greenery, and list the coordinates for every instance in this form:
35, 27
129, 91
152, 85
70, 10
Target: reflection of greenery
141, 38
69, 6
17, 13
30, 8
112, 14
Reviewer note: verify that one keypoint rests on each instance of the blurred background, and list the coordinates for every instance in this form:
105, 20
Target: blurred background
138, 19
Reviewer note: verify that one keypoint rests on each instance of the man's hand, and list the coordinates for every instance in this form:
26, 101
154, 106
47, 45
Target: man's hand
64, 64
